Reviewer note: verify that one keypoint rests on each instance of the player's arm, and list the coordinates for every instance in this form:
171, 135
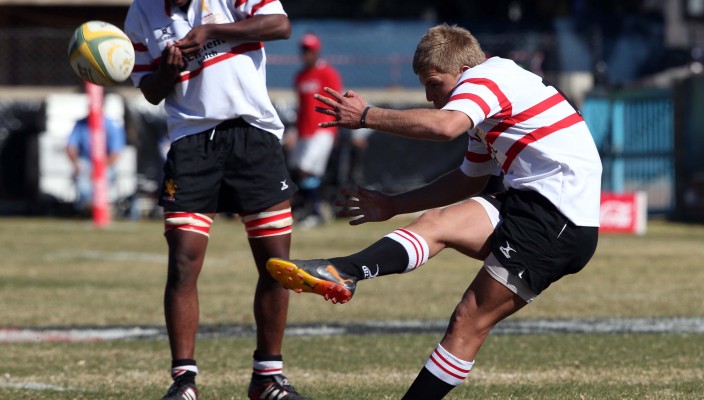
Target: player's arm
256, 29
450, 188
420, 123
157, 85
373, 206
350, 111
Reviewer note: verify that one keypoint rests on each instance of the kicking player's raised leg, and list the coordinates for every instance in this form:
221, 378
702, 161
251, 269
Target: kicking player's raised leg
403, 250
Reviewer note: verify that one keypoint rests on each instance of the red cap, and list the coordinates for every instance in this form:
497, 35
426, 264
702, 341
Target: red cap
310, 41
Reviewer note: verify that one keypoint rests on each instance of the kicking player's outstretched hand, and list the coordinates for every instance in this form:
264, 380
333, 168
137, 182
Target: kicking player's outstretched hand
364, 205
345, 108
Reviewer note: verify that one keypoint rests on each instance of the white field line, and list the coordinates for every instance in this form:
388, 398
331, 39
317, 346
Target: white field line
37, 386
510, 327
13, 335
108, 256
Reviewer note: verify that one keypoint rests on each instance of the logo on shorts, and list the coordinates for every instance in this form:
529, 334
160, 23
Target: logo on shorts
506, 250
169, 190
284, 185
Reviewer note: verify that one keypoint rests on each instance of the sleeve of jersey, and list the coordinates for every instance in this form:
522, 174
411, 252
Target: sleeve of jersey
144, 63
477, 160
477, 101
259, 7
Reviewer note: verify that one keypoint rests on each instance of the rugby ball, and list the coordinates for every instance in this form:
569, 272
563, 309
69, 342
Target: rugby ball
101, 53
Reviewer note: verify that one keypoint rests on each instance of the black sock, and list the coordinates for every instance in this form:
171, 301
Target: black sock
427, 387
384, 257
186, 376
260, 356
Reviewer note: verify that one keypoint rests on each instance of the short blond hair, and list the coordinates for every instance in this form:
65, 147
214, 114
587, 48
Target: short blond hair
446, 48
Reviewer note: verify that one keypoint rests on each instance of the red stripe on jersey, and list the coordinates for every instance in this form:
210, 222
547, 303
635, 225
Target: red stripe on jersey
417, 247
139, 47
260, 5
504, 102
531, 112
461, 370
477, 157
261, 221
537, 135
473, 97
239, 3
147, 67
235, 51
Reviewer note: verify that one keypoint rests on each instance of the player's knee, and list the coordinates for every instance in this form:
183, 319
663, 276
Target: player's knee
181, 276
427, 221
183, 271
268, 223
465, 317
186, 221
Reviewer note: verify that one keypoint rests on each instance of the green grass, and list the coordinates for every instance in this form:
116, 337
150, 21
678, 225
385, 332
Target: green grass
372, 367
67, 273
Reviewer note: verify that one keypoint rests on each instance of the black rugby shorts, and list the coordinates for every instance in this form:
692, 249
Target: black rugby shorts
536, 242
234, 168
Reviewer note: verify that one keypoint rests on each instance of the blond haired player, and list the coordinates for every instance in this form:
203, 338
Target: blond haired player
543, 227
205, 59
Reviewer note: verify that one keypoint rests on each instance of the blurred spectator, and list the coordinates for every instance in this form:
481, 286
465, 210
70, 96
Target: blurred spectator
313, 144
351, 163
78, 151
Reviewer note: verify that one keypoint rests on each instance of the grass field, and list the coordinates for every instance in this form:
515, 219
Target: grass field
58, 273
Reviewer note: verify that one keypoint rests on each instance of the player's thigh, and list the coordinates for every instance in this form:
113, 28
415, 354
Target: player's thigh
464, 226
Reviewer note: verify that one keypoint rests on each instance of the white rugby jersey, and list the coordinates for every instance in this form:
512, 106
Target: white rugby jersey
530, 132
226, 80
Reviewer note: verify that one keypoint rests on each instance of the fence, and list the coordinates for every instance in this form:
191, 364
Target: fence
634, 132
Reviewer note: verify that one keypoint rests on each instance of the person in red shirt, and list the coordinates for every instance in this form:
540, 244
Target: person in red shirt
309, 156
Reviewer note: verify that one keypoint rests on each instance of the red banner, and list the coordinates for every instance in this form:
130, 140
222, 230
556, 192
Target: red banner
623, 213
98, 154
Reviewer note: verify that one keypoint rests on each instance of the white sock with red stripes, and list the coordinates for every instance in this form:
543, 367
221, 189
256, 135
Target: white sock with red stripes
267, 365
416, 247
447, 367
440, 374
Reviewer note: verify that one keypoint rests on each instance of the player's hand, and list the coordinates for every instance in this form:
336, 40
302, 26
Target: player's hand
172, 62
345, 108
191, 44
364, 205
